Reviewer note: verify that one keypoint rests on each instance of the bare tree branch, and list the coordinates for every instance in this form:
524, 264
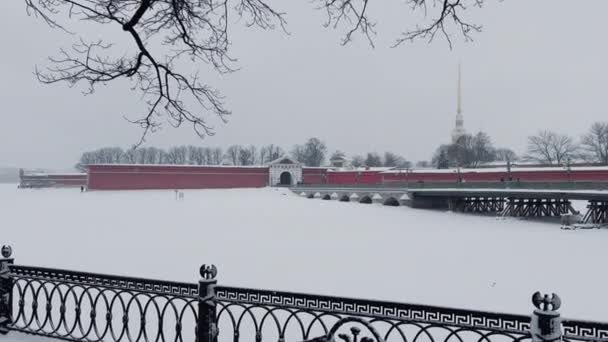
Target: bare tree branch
355, 14
196, 30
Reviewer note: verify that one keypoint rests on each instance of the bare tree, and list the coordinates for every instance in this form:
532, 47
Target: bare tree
482, 149
246, 156
129, 156
506, 155
441, 158
217, 156
357, 161
254, 154
155, 156
165, 34
551, 148
263, 155
87, 158
233, 153
178, 155
298, 152
208, 152
394, 160
196, 155
104, 155
443, 13
373, 159
594, 143
274, 152
194, 30
314, 152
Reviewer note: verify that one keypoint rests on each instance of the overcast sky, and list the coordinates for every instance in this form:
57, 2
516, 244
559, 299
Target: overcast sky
536, 65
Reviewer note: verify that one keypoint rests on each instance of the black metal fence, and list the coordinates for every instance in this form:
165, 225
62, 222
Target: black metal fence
79, 306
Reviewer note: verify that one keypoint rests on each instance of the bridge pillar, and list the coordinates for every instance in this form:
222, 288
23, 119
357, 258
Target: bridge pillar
597, 212
537, 207
377, 198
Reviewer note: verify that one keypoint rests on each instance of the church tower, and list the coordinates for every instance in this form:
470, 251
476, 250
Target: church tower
458, 130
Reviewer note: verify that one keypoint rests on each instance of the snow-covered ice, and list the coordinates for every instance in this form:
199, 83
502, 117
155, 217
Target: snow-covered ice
271, 238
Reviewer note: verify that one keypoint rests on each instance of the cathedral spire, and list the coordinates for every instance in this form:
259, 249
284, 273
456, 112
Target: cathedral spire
458, 130
459, 109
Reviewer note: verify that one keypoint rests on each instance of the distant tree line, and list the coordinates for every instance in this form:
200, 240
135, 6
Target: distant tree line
313, 152
552, 148
374, 159
182, 155
544, 148
471, 151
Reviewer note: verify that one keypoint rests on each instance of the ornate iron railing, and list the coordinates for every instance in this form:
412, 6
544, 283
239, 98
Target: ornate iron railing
91, 307
79, 306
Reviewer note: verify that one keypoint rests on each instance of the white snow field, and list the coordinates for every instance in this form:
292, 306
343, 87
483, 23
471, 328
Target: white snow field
273, 239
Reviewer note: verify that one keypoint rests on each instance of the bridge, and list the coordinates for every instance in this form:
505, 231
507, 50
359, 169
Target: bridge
538, 200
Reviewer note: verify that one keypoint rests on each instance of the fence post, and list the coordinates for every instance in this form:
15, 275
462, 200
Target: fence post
6, 290
206, 327
546, 324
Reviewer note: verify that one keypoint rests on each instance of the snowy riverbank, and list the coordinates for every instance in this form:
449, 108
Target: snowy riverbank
268, 238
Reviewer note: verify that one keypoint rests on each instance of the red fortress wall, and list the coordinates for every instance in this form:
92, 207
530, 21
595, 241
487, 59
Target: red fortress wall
133, 177
137, 177
314, 175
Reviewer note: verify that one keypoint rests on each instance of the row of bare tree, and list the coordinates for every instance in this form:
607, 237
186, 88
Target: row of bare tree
471, 151
313, 152
552, 148
182, 155
544, 148
374, 159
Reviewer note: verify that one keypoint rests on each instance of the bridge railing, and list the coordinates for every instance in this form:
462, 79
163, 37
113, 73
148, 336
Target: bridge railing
80, 306
463, 185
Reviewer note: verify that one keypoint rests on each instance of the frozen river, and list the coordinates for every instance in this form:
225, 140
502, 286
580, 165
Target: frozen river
268, 238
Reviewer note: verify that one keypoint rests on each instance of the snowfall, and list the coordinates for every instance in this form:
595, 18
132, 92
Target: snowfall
274, 239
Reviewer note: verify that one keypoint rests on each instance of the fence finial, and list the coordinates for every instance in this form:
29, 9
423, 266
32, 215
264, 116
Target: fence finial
208, 272
7, 251
546, 324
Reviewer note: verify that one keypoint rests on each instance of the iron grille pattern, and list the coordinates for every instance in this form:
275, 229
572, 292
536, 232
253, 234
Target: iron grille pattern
82, 306
303, 317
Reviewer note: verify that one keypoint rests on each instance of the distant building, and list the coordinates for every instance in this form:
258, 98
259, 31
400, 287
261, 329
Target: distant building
284, 171
339, 161
459, 130
51, 179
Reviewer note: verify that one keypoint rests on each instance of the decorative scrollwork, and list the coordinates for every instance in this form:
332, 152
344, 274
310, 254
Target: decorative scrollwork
62, 305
